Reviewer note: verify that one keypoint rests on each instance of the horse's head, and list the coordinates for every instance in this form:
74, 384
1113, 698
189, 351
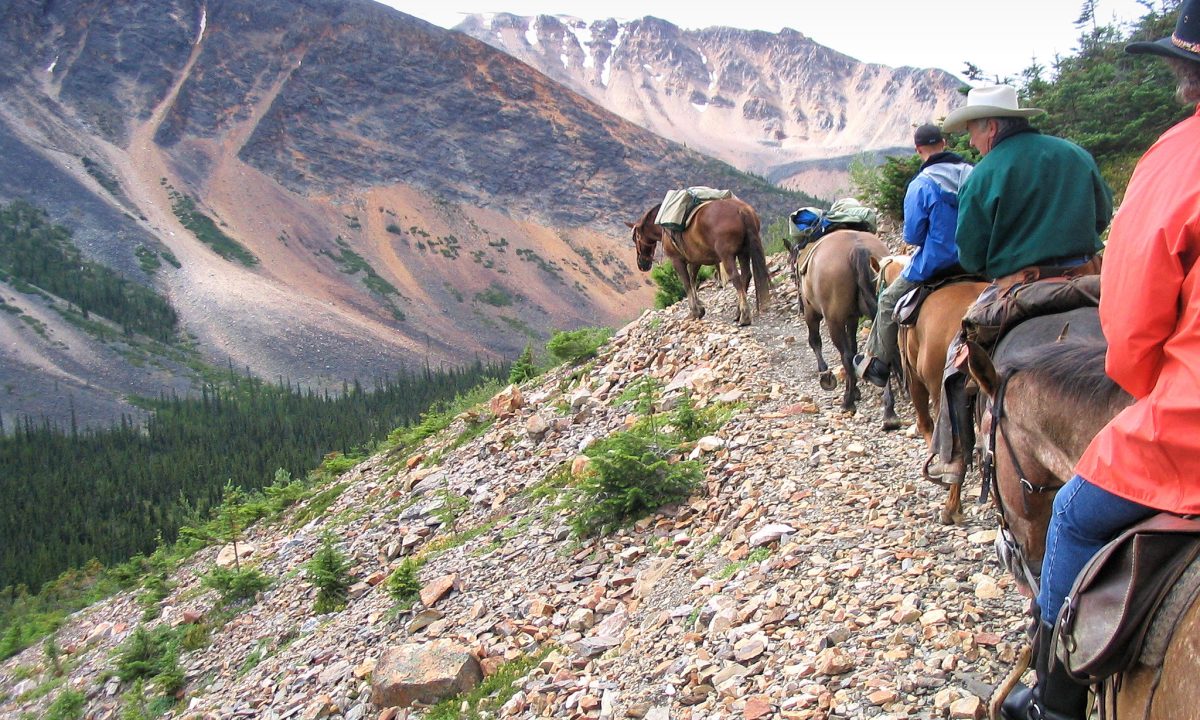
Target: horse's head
645, 237
1023, 507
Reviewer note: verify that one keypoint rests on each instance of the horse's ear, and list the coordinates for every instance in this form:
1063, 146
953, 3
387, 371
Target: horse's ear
631, 225
875, 266
981, 369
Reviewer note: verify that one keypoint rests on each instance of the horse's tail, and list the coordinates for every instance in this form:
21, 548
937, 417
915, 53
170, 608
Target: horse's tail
752, 238
868, 301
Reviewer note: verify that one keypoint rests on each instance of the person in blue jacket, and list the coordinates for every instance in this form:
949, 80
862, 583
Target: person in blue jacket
930, 218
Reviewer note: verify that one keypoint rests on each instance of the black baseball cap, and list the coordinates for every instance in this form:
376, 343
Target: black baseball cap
927, 134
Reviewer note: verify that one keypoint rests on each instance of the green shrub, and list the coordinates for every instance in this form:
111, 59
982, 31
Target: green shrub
523, 369
235, 585
207, 232
136, 706
151, 655
53, 656
67, 706
195, 636
686, 420
495, 295
631, 478
403, 585
283, 492
575, 346
670, 287
329, 572
642, 392
775, 237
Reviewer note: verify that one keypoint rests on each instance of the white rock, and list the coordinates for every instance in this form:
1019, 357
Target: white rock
770, 533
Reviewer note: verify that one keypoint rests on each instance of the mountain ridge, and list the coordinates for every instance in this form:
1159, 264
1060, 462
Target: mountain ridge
384, 174
760, 101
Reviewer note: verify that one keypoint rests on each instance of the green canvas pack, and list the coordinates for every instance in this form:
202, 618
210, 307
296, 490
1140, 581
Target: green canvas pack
677, 205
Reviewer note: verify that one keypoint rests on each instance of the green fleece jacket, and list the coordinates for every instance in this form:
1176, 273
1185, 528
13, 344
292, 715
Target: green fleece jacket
1033, 200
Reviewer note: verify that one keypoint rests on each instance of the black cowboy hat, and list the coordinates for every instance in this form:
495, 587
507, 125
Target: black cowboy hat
1184, 43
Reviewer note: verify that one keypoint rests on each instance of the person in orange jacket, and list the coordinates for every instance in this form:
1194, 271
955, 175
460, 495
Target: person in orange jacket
1147, 459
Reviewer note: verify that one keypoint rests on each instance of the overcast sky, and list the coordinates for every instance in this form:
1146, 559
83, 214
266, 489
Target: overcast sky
1000, 36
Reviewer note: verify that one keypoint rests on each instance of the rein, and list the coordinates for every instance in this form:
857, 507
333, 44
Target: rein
1012, 555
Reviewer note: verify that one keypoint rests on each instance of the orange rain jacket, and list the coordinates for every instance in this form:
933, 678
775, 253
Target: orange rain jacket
1150, 312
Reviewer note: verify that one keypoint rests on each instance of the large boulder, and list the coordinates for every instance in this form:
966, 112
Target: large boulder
423, 672
226, 556
506, 402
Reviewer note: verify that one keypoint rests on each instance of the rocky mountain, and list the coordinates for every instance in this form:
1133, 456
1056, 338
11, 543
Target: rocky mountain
324, 190
775, 104
805, 578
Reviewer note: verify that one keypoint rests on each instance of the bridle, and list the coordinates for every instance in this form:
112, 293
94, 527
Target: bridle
1012, 555
646, 248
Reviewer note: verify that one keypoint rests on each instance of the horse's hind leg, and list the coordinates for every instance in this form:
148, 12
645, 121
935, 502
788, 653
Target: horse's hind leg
813, 320
688, 276
843, 340
890, 420
741, 283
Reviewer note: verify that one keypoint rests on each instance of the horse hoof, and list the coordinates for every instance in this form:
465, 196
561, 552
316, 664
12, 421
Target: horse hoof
949, 518
849, 410
828, 381
891, 424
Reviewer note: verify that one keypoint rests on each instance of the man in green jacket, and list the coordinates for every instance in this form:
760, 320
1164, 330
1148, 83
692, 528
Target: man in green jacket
1034, 207
1033, 200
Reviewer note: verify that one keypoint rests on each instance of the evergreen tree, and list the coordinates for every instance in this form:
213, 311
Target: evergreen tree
523, 369
329, 572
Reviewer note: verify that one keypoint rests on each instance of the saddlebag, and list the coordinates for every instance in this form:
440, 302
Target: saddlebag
1104, 621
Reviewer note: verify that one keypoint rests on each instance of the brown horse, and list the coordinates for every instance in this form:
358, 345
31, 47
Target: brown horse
923, 348
1047, 401
1054, 397
837, 284
721, 232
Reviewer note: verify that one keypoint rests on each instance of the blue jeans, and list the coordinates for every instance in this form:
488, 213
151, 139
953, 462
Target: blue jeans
1085, 519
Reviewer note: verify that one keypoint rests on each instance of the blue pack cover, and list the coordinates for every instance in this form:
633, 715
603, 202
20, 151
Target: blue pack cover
807, 222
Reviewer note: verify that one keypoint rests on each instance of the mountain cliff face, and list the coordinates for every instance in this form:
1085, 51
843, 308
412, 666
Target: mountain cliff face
773, 104
399, 193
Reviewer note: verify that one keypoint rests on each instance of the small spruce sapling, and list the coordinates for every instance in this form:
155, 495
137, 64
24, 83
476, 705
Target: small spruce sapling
329, 572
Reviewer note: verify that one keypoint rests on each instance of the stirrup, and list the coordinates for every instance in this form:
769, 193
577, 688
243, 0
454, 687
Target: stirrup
955, 468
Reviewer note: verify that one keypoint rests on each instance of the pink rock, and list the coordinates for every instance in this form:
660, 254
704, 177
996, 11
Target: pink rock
437, 589
425, 673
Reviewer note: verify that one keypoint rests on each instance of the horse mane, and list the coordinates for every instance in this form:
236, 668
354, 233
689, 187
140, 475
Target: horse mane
1074, 367
648, 218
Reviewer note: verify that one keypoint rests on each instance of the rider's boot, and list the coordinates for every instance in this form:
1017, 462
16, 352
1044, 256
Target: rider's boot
871, 369
1056, 696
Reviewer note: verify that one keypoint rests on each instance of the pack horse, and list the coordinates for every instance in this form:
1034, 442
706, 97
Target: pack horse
720, 232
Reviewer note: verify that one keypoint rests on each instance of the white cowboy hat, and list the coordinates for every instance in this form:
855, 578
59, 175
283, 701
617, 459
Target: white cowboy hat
987, 102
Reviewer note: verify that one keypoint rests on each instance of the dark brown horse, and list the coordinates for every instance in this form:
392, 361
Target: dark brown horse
1047, 401
837, 284
923, 348
721, 232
